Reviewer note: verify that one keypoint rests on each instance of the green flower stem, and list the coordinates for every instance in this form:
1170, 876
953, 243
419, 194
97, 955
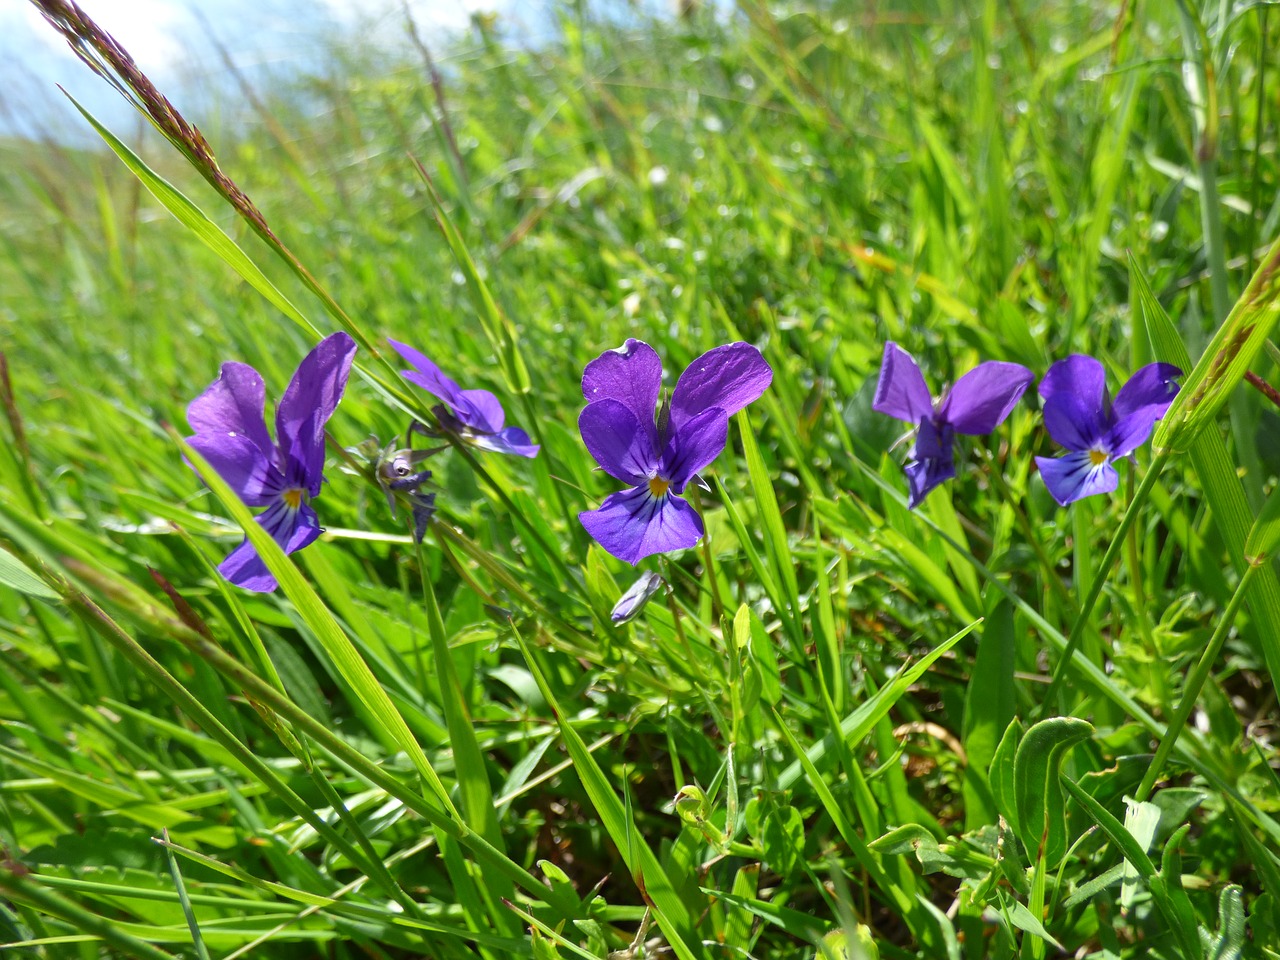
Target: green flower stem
1194, 685
1104, 568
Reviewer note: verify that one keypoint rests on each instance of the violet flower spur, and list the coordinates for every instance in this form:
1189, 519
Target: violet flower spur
1079, 415
660, 455
977, 404
282, 475
475, 416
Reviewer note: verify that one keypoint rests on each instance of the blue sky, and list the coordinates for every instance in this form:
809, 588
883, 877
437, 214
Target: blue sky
169, 39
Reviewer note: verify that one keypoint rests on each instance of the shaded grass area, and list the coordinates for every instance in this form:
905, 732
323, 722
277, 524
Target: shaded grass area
451, 751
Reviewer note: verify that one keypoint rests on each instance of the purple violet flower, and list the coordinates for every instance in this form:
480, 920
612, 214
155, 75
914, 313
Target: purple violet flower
660, 455
1079, 415
282, 475
977, 404
475, 416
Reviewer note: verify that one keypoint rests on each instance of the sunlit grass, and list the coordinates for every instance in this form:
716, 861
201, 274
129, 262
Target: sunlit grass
838, 721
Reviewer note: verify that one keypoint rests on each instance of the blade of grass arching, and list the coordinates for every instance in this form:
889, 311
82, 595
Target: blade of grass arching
899, 890
1222, 491
194, 219
468, 761
672, 914
326, 630
861, 721
347, 755
776, 546
197, 941
500, 331
252, 765
23, 886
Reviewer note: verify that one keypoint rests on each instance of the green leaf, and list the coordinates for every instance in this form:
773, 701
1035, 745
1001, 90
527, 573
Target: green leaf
782, 837
14, 573
1226, 360
989, 705
1037, 793
1265, 533
194, 219
1228, 942
1001, 776
326, 629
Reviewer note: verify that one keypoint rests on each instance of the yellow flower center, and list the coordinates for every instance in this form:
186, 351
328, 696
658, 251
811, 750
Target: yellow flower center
292, 497
1097, 457
658, 487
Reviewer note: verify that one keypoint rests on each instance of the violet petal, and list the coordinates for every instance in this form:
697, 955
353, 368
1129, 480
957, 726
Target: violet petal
233, 404
484, 412
634, 524
1072, 424
292, 529
428, 376
617, 441
631, 374
1074, 476
1080, 375
901, 392
983, 397
242, 465
1151, 386
691, 448
1131, 432
511, 440
309, 402
932, 460
729, 377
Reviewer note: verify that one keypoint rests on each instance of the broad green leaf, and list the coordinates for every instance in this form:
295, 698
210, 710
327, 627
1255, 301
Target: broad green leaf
1041, 816
1001, 776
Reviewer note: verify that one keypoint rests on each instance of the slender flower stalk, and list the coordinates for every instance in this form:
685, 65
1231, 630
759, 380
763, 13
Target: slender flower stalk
282, 475
660, 454
977, 404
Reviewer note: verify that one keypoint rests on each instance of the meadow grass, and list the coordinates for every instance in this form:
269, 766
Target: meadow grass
988, 727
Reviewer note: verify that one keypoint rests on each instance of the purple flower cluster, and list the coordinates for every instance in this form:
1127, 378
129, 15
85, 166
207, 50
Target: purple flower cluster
656, 448
285, 474
1078, 414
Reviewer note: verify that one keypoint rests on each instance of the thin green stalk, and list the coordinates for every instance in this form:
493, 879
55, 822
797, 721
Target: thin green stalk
1104, 569
15, 883
1194, 684
259, 689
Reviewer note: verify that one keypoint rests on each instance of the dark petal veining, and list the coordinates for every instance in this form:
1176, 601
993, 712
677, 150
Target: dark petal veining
292, 528
634, 524
1075, 475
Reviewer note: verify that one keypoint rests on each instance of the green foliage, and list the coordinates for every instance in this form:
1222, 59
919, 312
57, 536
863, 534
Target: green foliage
830, 734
